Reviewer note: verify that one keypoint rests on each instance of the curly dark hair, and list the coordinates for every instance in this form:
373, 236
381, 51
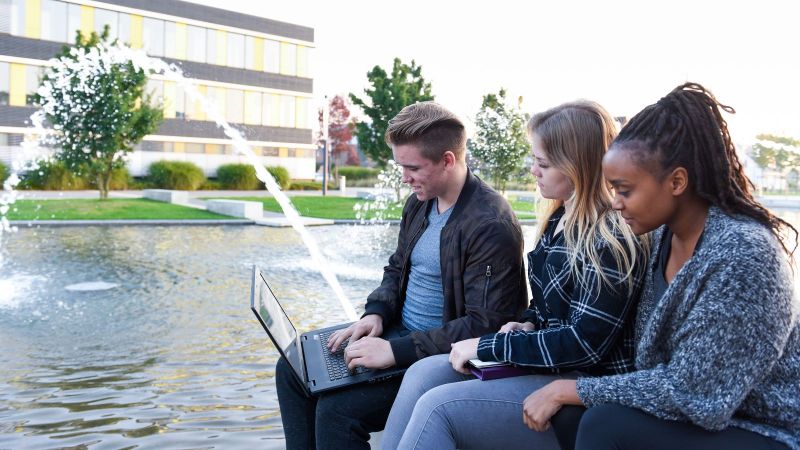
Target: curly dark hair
686, 129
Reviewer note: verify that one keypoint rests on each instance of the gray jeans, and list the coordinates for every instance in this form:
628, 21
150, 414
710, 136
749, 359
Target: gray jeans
439, 408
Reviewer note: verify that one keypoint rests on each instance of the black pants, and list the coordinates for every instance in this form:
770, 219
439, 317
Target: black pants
618, 427
339, 419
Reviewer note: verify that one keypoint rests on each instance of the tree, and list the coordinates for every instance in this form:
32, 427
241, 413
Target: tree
388, 95
500, 144
340, 132
96, 104
776, 152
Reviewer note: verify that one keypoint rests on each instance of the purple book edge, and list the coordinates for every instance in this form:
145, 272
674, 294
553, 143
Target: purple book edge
495, 372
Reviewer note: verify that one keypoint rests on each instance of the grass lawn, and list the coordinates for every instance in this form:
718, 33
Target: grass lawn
321, 207
111, 209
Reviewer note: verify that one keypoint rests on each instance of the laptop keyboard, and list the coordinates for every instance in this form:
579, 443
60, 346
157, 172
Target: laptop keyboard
334, 361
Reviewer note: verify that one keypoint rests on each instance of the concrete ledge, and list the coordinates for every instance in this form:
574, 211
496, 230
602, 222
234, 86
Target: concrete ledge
236, 208
125, 222
283, 222
165, 195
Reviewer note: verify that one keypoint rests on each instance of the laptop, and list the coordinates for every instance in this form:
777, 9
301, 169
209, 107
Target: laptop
313, 364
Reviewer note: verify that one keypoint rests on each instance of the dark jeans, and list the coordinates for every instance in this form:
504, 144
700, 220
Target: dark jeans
618, 427
338, 419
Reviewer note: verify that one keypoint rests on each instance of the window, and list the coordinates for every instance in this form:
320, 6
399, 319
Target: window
180, 103
272, 56
271, 112
211, 46
170, 40
32, 75
17, 17
103, 17
214, 149
54, 21
155, 88
5, 16
3, 139
124, 28
193, 147
250, 52
236, 50
153, 33
152, 146
302, 61
252, 108
288, 59
196, 43
234, 106
302, 113
73, 21
287, 111
4, 83
269, 151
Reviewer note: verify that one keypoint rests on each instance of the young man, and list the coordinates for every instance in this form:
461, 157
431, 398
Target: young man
457, 273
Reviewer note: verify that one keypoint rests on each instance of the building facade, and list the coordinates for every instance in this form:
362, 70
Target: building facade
256, 70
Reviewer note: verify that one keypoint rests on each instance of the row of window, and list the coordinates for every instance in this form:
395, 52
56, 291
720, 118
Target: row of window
58, 21
238, 106
220, 149
19, 82
13, 139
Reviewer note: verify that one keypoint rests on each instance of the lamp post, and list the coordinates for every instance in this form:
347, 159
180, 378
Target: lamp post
325, 113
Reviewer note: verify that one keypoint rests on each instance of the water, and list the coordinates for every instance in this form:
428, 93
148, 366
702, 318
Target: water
172, 357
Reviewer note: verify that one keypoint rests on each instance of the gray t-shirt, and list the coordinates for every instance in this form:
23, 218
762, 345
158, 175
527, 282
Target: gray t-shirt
424, 303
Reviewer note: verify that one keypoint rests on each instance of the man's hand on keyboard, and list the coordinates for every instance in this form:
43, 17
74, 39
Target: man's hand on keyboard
369, 352
371, 325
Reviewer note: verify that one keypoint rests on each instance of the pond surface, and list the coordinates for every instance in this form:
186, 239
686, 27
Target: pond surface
170, 357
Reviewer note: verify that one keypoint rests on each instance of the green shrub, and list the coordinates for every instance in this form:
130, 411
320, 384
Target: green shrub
281, 176
53, 176
240, 177
120, 180
179, 175
4, 173
358, 173
211, 185
304, 185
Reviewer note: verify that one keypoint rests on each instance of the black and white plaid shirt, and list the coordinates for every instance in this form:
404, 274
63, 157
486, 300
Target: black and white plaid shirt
585, 327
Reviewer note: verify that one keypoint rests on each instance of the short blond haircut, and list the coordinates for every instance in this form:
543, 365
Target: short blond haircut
431, 127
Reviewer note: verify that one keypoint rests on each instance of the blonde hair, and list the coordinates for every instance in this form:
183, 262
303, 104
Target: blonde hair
431, 127
575, 137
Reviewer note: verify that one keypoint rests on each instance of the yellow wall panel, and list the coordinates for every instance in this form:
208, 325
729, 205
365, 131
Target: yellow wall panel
180, 40
222, 48
179, 147
197, 110
87, 20
259, 56
33, 19
17, 86
136, 31
302, 61
283, 152
169, 99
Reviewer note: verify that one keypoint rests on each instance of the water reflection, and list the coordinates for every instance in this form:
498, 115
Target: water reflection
172, 357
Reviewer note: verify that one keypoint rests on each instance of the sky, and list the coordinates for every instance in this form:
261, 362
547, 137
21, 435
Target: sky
623, 54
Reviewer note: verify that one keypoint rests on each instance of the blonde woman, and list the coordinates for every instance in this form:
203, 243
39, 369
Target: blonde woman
584, 272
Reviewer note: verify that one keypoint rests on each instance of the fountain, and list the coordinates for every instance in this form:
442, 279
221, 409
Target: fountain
106, 55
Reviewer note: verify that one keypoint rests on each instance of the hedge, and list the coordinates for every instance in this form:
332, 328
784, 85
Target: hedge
120, 180
281, 176
4, 173
358, 172
53, 176
238, 177
179, 175
299, 185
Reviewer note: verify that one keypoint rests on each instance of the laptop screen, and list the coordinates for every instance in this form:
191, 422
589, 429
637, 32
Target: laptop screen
278, 325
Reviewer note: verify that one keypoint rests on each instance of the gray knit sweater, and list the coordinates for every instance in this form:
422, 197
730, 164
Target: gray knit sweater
721, 347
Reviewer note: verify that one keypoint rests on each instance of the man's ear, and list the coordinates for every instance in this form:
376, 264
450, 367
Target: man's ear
449, 159
678, 181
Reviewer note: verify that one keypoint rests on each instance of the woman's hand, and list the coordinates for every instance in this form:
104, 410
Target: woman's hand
516, 326
461, 352
543, 404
